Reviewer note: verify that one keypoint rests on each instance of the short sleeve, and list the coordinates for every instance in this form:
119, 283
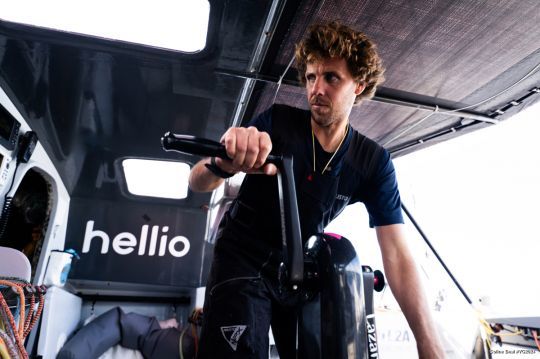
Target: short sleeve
263, 122
383, 201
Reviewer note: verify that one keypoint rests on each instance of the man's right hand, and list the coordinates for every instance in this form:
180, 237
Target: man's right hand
248, 149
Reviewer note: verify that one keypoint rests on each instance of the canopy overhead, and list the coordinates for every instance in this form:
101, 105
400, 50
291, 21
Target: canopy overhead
451, 67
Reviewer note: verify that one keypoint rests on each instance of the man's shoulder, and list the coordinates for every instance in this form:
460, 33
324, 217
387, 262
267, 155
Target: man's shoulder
365, 154
364, 143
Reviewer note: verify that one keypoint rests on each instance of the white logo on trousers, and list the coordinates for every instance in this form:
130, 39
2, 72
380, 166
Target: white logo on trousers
232, 334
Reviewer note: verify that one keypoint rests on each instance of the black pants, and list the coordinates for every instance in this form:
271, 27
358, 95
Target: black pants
243, 299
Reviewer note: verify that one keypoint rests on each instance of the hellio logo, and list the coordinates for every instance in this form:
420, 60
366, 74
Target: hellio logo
125, 242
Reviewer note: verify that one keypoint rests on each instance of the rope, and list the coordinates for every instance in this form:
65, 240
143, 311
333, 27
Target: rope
9, 346
19, 326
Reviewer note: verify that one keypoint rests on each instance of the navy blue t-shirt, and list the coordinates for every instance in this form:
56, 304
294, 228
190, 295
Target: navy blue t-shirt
361, 171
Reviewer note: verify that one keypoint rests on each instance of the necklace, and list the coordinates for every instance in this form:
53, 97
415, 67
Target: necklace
333, 154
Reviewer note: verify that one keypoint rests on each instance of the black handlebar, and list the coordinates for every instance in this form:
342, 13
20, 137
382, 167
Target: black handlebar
192, 145
292, 239
201, 147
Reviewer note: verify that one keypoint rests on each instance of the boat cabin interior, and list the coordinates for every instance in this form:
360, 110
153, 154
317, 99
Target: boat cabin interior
76, 109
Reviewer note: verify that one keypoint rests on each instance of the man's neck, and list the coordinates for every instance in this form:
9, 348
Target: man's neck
331, 136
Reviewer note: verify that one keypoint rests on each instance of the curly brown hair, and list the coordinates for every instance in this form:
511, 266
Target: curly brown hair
327, 40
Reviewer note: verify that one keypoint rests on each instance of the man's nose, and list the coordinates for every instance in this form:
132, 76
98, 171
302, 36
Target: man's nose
318, 86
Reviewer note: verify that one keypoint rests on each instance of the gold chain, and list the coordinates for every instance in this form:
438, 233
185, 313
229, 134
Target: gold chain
333, 154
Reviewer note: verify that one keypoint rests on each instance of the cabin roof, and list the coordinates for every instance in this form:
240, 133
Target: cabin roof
94, 101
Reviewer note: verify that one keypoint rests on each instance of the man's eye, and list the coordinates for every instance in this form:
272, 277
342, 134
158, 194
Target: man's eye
310, 78
331, 78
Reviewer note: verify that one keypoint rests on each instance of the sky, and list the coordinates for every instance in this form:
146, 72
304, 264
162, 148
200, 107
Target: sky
476, 197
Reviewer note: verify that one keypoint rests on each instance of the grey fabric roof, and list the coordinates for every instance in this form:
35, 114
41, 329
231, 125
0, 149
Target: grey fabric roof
450, 52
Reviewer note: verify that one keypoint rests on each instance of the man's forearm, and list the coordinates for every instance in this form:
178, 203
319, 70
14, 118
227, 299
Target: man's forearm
201, 179
406, 287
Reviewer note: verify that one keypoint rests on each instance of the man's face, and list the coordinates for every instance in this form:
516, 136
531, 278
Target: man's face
331, 90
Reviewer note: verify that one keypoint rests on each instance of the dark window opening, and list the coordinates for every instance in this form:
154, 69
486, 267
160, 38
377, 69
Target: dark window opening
27, 217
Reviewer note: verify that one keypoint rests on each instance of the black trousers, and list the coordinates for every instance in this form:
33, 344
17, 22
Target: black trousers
243, 299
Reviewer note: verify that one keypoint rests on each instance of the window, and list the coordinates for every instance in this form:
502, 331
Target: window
169, 24
153, 178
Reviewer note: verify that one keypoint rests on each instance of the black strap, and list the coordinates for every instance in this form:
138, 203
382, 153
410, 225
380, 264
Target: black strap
214, 168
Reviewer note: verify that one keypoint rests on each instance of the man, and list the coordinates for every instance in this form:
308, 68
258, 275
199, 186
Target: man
334, 166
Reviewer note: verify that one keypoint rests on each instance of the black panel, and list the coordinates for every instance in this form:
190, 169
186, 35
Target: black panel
82, 93
166, 265
95, 102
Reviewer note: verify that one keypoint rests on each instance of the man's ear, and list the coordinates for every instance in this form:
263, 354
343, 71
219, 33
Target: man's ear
360, 87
